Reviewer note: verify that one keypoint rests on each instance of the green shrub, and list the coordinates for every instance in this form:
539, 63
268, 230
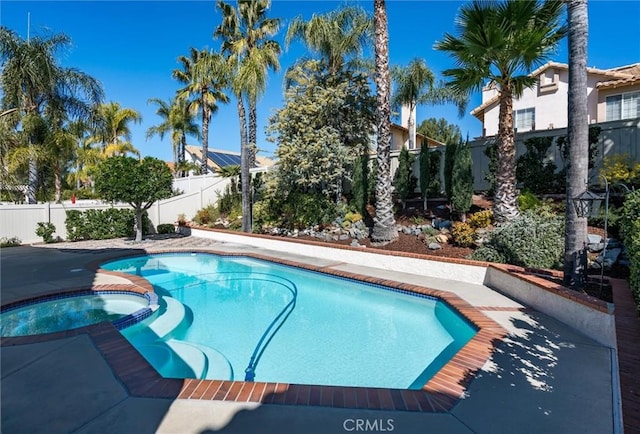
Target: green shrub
632, 242
429, 231
166, 228
463, 234
297, 211
480, 219
99, 224
206, 215
46, 230
231, 200
630, 231
532, 240
528, 200
10, 242
533, 169
352, 217
630, 213
488, 254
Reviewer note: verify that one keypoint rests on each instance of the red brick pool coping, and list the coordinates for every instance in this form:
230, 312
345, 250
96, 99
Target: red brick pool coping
439, 394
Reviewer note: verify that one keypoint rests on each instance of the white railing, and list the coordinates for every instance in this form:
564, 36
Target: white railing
21, 221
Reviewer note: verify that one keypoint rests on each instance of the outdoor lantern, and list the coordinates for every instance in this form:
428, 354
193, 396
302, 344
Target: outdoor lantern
584, 203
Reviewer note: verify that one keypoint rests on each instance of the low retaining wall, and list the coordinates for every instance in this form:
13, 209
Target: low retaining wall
464, 271
588, 315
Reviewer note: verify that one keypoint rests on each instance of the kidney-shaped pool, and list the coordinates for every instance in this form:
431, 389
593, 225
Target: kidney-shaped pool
238, 318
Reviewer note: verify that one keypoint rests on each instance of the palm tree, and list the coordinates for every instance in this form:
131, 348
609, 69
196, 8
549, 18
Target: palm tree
178, 121
339, 36
578, 138
411, 84
34, 83
502, 43
205, 76
415, 84
113, 131
384, 227
245, 32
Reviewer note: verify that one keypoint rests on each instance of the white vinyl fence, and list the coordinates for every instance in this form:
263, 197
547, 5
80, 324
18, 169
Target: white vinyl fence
21, 221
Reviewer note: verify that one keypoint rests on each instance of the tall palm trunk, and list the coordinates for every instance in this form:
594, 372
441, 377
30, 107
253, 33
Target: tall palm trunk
183, 146
505, 204
412, 128
206, 116
578, 138
384, 227
253, 129
245, 176
57, 182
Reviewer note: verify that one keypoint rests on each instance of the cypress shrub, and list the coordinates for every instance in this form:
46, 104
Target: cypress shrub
462, 180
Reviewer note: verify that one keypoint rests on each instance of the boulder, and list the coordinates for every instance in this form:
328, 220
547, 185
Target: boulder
434, 246
442, 238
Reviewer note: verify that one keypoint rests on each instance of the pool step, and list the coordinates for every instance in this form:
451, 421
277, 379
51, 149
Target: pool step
168, 321
179, 359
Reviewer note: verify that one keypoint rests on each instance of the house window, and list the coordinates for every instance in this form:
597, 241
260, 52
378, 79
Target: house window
624, 106
525, 119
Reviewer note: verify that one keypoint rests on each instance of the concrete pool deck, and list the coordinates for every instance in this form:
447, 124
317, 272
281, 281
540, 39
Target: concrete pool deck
543, 377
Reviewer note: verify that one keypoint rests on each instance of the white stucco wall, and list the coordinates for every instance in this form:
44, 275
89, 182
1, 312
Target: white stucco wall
550, 106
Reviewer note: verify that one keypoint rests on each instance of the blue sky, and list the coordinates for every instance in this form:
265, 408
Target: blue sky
132, 47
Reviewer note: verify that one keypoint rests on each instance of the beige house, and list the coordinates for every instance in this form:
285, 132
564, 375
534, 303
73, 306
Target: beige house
612, 95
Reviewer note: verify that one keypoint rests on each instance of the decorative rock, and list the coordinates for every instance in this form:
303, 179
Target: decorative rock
355, 243
434, 246
442, 238
343, 237
594, 238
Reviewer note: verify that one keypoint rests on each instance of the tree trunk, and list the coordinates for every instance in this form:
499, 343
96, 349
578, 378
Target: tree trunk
245, 175
183, 146
384, 227
57, 182
505, 203
206, 116
138, 224
33, 176
578, 139
412, 128
253, 132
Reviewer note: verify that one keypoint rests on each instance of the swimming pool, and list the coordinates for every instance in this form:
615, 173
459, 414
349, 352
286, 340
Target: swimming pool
70, 311
246, 319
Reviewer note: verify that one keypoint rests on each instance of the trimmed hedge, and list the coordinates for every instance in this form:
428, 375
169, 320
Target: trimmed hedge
98, 224
630, 231
166, 228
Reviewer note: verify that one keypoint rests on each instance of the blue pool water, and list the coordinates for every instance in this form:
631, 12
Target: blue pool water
224, 315
66, 313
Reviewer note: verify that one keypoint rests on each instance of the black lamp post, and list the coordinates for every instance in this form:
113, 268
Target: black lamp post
583, 205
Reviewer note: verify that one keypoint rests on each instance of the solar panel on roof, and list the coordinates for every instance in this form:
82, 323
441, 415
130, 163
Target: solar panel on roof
223, 159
